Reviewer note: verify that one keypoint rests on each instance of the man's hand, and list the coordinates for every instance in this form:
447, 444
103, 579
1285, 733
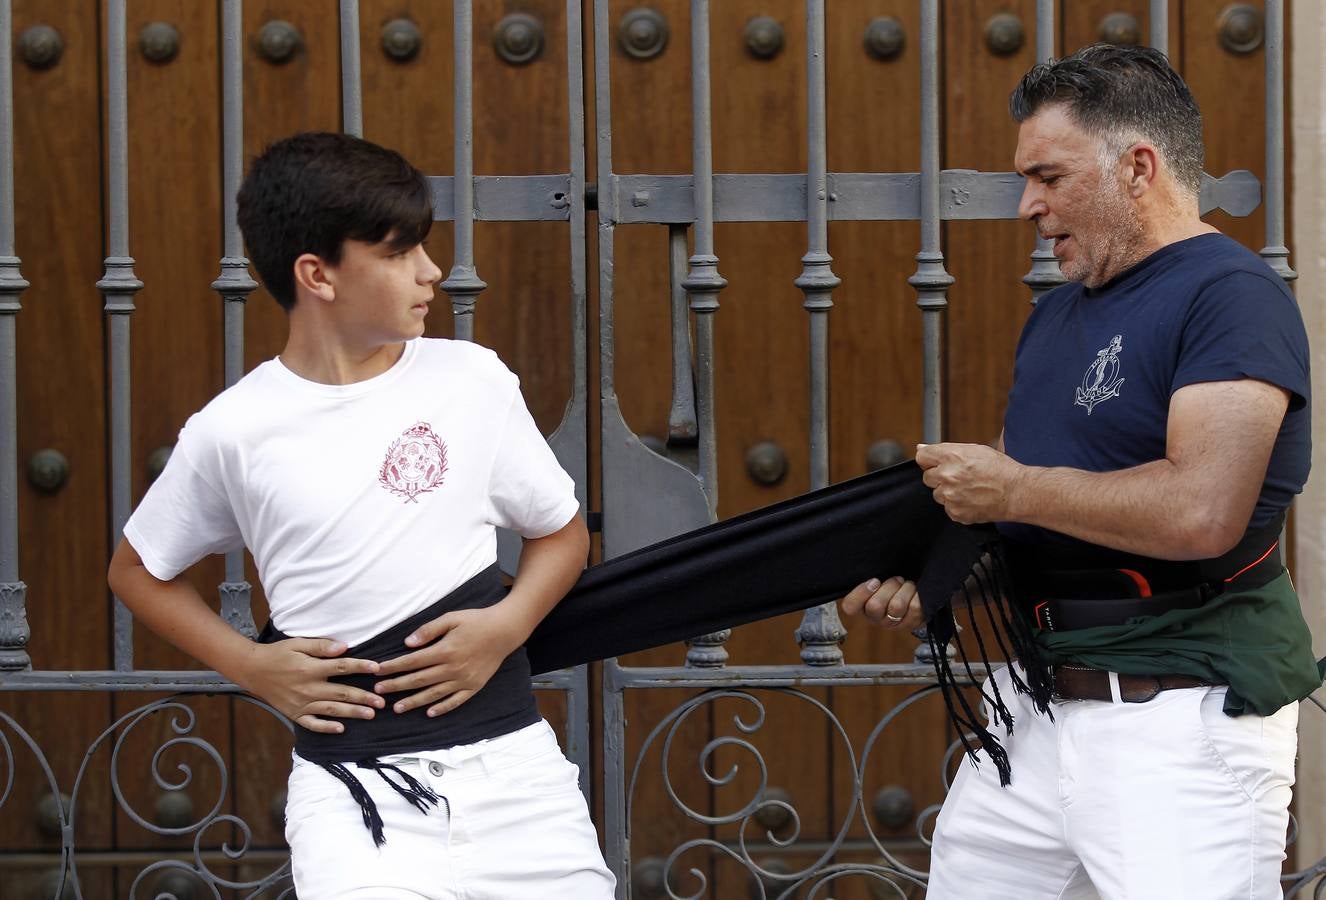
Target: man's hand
461, 651
973, 482
293, 675
893, 603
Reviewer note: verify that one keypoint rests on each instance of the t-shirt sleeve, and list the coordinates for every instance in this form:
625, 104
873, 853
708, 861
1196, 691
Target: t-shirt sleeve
182, 518
528, 490
1244, 326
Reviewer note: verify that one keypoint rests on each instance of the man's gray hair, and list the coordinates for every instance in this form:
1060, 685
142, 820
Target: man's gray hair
1121, 95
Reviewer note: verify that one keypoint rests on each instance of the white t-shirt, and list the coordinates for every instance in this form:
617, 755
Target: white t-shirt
361, 503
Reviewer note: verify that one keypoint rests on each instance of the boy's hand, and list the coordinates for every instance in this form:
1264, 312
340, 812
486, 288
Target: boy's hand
461, 651
293, 675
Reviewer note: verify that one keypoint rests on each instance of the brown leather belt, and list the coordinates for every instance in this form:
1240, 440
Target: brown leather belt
1076, 683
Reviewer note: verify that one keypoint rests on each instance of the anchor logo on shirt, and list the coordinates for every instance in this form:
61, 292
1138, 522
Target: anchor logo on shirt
1101, 381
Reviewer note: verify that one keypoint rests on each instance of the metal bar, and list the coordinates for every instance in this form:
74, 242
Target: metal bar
1160, 25
618, 679
616, 825
683, 429
188, 680
821, 632
931, 280
14, 630
575, 424
575, 201
703, 284
1044, 274
234, 284
119, 284
463, 284
352, 103
1275, 253
853, 197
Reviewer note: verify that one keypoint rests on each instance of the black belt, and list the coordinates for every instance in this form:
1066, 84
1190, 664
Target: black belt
1065, 590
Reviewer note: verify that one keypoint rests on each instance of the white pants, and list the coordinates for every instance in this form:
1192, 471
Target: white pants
1165, 799
512, 825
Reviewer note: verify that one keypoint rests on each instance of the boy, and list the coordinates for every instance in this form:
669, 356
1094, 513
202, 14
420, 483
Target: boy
366, 468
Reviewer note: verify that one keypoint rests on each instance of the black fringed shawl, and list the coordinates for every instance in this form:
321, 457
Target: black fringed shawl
790, 556
796, 554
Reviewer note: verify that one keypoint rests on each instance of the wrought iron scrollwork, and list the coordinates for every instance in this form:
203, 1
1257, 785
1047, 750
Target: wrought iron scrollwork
770, 870
214, 832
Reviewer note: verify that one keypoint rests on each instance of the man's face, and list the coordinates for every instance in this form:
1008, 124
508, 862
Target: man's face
1073, 200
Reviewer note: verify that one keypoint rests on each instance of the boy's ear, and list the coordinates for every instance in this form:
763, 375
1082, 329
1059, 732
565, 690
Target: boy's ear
311, 274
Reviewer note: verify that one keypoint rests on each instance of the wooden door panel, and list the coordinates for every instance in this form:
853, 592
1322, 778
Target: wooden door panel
1230, 89
60, 378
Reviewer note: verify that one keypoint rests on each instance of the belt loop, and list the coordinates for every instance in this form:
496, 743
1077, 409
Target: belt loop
1115, 694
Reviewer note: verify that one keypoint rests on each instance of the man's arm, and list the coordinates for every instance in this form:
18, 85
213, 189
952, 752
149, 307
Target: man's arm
462, 649
1193, 504
291, 675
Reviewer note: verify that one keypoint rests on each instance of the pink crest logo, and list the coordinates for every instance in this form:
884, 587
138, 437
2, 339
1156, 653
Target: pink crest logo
415, 463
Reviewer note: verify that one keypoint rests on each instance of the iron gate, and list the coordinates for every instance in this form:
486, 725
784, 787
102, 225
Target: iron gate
680, 486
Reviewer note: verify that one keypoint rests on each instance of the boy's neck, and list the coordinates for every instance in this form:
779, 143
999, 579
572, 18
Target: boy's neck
325, 360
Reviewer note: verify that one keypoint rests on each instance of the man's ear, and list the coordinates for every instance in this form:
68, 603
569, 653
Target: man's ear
1141, 166
313, 275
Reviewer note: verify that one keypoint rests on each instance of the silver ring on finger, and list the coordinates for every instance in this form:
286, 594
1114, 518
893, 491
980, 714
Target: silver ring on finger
892, 618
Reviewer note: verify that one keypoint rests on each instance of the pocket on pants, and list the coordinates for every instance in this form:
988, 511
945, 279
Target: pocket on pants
535, 767
1256, 752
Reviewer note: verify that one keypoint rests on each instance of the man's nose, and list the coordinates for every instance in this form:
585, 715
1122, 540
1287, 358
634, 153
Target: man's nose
1030, 205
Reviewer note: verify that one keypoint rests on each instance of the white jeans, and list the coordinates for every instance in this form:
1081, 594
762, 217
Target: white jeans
512, 825
1165, 799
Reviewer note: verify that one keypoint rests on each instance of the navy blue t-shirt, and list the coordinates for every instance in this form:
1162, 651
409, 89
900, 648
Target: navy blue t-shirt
1095, 368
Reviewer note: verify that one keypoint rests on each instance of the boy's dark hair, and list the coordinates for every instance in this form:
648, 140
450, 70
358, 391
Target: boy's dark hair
1121, 94
311, 192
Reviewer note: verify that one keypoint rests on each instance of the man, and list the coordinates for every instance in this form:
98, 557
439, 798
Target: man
1156, 431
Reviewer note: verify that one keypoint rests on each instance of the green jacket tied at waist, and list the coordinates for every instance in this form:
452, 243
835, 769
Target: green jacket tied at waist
1256, 641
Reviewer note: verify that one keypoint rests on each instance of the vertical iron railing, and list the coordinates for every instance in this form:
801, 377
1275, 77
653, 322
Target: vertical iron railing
931, 280
463, 284
234, 283
703, 284
14, 631
119, 284
352, 104
1275, 253
1044, 274
821, 633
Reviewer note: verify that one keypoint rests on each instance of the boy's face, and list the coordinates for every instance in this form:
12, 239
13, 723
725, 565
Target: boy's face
382, 295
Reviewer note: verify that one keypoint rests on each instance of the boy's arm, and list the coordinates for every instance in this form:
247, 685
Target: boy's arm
292, 675
462, 649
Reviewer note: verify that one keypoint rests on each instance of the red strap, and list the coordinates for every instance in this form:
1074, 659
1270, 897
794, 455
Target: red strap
1251, 564
1143, 586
